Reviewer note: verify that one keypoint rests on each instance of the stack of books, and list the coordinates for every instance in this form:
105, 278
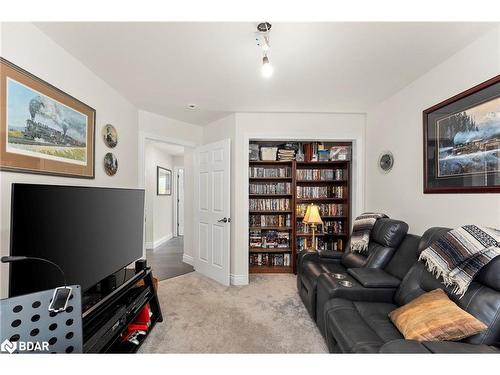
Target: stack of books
286, 154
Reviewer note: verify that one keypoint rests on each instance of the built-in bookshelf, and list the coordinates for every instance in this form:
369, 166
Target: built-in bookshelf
279, 192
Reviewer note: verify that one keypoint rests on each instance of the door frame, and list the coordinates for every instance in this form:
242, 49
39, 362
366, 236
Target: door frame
176, 197
142, 138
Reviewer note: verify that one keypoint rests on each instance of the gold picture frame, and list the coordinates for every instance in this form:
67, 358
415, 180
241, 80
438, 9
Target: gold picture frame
43, 130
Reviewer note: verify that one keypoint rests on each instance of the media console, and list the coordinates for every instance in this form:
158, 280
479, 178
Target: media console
105, 323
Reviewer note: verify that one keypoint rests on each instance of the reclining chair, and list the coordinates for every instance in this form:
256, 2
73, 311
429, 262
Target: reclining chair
386, 235
368, 284
354, 326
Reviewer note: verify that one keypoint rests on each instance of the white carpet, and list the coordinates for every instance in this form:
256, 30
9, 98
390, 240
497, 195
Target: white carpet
203, 316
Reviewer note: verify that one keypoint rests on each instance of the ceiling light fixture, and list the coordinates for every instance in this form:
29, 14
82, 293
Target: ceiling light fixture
262, 38
267, 68
191, 106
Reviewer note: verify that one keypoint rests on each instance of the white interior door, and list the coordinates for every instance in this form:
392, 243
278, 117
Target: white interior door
180, 202
212, 208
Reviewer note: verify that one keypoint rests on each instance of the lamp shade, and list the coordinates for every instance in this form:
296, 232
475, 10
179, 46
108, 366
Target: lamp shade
312, 215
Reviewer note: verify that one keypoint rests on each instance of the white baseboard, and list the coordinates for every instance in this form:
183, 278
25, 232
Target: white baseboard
238, 279
153, 245
188, 259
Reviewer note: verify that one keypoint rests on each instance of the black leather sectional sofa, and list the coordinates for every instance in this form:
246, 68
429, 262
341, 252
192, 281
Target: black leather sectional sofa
355, 319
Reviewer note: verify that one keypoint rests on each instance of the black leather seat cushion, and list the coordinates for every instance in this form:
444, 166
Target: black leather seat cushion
312, 270
374, 278
360, 327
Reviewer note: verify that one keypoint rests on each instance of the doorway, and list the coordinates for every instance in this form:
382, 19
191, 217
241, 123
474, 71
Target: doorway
164, 208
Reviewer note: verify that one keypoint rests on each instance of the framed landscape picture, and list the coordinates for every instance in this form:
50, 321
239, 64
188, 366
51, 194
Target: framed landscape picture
462, 142
43, 130
163, 181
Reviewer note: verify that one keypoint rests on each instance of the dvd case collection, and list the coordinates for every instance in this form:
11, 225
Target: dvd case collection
270, 220
264, 172
329, 227
308, 151
306, 243
274, 188
321, 174
320, 192
270, 260
325, 209
269, 239
269, 204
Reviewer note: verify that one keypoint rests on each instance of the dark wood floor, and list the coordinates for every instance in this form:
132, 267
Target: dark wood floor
166, 260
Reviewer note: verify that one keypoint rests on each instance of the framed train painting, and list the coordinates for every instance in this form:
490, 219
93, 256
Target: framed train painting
43, 129
462, 142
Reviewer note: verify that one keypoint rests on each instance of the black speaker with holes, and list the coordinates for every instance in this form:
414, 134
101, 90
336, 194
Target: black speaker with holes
140, 265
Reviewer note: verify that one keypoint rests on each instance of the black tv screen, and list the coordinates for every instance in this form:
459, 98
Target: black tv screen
89, 232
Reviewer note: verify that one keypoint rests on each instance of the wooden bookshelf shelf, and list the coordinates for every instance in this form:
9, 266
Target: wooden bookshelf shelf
269, 250
267, 269
312, 200
271, 228
312, 164
269, 162
270, 178
321, 234
321, 181
269, 195
335, 181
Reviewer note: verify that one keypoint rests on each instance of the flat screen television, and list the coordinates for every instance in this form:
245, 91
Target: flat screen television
90, 232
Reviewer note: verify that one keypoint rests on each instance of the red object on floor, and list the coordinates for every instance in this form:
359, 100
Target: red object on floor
141, 323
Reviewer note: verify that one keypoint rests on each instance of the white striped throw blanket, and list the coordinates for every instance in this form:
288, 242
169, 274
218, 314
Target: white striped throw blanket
460, 254
361, 229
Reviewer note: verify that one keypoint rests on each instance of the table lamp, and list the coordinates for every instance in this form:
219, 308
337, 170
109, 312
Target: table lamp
313, 218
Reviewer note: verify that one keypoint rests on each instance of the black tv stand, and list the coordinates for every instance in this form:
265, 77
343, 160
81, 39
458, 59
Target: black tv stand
105, 321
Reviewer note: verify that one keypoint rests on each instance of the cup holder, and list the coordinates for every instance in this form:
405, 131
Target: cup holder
345, 283
339, 276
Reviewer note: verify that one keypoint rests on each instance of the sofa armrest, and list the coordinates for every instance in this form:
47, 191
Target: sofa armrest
374, 278
313, 256
427, 347
330, 254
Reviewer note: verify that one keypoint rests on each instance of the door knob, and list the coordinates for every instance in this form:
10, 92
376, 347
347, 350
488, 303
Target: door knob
224, 220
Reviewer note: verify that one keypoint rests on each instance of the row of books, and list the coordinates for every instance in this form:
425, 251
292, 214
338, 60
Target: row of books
325, 209
330, 227
270, 260
321, 174
275, 188
269, 172
269, 204
322, 244
269, 239
317, 151
270, 220
320, 192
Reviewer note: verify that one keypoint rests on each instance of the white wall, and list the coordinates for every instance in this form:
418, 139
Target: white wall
26, 46
241, 127
156, 127
396, 125
159, 208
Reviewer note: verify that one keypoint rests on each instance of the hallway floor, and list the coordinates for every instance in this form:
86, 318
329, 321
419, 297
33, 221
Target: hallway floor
166, 260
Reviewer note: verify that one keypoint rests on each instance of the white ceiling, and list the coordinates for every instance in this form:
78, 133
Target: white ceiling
318, 67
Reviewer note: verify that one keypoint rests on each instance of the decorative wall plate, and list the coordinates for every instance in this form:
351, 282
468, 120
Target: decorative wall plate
110, 136
386, 161
110, 164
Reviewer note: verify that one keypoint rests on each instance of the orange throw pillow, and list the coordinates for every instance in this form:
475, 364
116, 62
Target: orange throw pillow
434, 317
